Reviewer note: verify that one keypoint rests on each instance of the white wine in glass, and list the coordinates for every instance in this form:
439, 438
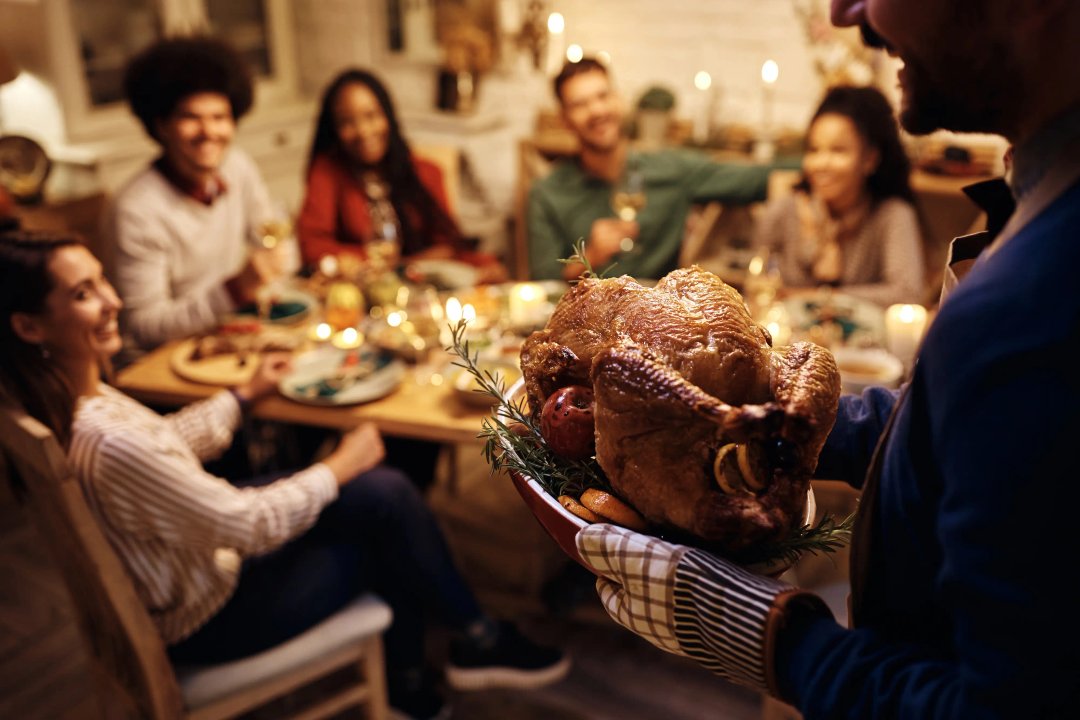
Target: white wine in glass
627, 200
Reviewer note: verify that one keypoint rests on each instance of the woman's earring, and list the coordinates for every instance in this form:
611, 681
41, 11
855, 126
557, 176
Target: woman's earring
44, 351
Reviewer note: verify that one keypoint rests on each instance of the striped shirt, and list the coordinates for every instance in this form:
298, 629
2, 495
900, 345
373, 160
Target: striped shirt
180, 531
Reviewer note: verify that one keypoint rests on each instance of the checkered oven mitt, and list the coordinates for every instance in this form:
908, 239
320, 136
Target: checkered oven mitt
690, 603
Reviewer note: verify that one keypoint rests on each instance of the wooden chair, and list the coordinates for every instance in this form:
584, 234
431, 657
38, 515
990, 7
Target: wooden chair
128, 656
448, 158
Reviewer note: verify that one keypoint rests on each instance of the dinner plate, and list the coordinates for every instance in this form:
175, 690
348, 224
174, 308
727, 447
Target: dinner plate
856, 318
289, 306
227, 369
563, 526
446, 274
322, 376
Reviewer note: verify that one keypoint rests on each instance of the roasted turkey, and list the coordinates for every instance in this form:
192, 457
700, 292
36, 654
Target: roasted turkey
682, 373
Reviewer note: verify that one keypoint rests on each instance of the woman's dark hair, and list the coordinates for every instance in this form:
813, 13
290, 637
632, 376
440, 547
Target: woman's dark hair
419, 214
162, 75
26, 375
875, 121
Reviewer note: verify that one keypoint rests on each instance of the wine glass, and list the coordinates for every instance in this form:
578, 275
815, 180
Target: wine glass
628, 199
275, 235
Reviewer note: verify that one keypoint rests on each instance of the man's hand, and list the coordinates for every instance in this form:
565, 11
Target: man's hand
360, 450
605, 241
263, 266
690, 603
271, 371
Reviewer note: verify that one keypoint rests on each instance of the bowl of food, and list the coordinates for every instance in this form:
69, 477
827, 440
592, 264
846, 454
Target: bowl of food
861, 368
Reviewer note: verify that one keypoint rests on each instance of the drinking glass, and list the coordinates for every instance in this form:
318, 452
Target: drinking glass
628, 199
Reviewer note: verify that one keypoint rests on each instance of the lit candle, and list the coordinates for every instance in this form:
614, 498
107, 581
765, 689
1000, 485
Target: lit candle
348, 339
321, 332
703, 82
770, 73
904, 327
527, 302
453, 310
556, 42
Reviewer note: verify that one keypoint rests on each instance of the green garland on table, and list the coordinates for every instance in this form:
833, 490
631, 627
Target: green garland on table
512, 441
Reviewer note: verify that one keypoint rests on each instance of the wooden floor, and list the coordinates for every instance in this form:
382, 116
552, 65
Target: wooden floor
503, 554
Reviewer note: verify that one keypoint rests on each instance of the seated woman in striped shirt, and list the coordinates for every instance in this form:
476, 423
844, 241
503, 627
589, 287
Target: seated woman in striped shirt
229, 569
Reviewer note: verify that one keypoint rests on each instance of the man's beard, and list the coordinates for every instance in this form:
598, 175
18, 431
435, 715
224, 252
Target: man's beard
970, 93
599, 148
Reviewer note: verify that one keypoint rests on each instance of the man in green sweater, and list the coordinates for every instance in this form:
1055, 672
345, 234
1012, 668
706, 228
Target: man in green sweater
576, 200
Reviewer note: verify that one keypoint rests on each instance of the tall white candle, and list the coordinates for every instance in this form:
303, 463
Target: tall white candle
703, 82
904, 328
556, 51
526, 304
770, 73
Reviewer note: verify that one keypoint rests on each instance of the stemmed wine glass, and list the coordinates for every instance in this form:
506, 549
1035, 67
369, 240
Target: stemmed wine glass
628, 199
272, 235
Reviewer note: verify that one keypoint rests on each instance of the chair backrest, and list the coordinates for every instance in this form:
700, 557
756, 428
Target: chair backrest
448, 159
125, 645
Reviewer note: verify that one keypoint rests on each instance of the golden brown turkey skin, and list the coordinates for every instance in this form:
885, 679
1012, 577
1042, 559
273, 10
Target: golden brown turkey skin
679, 371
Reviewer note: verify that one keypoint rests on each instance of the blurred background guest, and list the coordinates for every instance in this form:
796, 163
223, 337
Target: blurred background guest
631, 207
851, 221
368, 194
186, 231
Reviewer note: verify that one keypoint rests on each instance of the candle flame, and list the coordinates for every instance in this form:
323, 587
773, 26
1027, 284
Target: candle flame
556, 23
453, 310
323, 331
703, 80
770, 72
574, 53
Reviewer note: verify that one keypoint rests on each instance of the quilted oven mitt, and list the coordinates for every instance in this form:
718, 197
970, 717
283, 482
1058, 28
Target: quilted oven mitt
691, 603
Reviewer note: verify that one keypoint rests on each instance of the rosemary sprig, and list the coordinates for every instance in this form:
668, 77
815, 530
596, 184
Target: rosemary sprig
512, 441
525, 450
826, 538
578, 256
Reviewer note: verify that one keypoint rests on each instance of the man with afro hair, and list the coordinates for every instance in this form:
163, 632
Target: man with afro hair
184, 230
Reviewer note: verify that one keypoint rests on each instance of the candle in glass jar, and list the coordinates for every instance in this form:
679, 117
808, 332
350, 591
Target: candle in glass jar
526, 304
904, 327
348, 339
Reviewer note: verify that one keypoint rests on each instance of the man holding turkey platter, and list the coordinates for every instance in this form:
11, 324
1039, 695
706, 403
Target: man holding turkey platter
965, 524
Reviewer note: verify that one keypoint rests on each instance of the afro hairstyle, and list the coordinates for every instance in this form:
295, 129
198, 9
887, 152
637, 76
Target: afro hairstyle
161, 76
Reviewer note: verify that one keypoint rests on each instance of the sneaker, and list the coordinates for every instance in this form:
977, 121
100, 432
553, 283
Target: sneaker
422, 703
512, 661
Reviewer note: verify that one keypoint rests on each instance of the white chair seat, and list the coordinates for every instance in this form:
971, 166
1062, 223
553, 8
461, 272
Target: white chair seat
207, 684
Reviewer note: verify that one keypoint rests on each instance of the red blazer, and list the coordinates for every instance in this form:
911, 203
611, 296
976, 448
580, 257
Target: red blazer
335, 218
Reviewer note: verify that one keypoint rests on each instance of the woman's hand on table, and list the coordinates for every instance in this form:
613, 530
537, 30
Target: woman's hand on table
360, 450
271, 371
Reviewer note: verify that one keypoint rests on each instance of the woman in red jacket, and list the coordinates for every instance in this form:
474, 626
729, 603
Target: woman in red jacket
365, 186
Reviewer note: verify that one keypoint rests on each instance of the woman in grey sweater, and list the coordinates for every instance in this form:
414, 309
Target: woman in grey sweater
851, 221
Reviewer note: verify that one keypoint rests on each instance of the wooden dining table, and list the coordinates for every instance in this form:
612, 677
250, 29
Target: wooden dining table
417, 409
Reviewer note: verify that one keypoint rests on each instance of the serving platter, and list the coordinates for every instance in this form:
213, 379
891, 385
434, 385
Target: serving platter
563, 526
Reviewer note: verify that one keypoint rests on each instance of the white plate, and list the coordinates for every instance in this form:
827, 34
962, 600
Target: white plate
857, 318
306, 383
446, 274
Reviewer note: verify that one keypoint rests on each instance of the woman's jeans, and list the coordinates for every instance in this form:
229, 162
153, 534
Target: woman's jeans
379, 536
